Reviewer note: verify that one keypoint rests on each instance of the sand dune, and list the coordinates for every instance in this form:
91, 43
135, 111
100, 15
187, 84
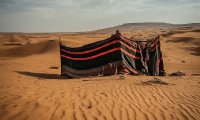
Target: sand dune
31, 90
29, 49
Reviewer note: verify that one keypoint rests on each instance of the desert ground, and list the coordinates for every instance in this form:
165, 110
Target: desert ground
31, 87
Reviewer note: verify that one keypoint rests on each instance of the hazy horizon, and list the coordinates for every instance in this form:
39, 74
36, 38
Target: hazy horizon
79, 15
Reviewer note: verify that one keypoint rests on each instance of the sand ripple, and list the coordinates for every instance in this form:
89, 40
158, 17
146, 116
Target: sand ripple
102, 99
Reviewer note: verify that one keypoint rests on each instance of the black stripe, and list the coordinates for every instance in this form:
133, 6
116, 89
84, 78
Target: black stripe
92, 63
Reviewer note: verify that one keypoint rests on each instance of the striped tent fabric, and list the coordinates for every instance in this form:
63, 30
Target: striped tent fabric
114, 55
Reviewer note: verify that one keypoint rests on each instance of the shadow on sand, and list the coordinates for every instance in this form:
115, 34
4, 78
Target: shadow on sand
182, 39
194, 50
43, 75
195, 41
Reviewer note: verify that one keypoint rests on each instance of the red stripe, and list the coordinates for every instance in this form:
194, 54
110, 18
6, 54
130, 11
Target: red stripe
133, 56
95, 56
101, 54
135, 50
88, 51
105, 45
127, 40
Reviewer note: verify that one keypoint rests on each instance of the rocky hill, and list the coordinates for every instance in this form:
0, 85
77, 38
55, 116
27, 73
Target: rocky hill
131, 27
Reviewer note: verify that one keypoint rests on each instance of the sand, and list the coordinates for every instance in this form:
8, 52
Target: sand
31, 90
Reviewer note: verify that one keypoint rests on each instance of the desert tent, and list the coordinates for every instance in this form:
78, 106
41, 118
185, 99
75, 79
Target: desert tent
114, 55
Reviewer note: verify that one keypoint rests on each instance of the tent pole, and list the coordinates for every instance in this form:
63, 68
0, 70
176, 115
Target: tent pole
60, 43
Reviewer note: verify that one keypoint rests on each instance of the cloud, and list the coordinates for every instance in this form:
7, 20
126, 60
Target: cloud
81, 15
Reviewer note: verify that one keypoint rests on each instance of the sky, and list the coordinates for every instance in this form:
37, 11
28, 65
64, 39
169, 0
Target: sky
86, 15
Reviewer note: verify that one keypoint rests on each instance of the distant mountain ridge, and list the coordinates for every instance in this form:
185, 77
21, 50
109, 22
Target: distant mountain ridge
143, 25
147, 24
159, 24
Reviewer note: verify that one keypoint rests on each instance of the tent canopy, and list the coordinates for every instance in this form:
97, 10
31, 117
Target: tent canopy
114, 55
